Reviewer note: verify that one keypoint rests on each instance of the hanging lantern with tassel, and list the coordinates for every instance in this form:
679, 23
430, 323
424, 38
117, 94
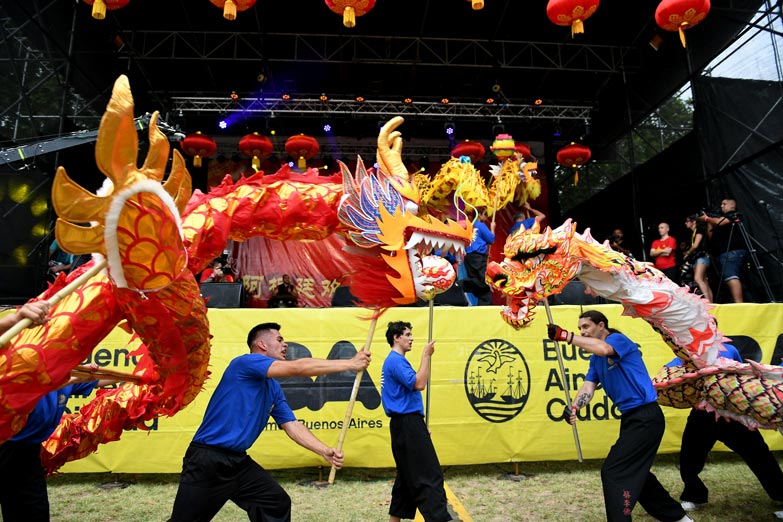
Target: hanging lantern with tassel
99, 7
232, 7
574, 156
199, 146
302, 148
350, 9
472, 149
571, 12
680, 15
257, 147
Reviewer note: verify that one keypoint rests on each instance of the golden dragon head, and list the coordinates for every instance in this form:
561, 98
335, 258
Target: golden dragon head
536, 265
136, 224
381, 213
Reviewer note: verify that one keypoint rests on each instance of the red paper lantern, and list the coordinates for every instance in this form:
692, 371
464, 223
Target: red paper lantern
571, 12
99, 7
199, 146
302, 148
472, 149
231, 7
574, 156
680, 15
257, 147
350, 9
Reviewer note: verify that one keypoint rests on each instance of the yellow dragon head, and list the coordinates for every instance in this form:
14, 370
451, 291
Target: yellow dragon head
381, 213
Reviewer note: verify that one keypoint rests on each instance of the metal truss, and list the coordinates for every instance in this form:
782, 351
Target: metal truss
316, 107
383, 50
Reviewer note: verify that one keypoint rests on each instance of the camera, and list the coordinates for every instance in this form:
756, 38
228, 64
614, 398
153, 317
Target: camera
710, 212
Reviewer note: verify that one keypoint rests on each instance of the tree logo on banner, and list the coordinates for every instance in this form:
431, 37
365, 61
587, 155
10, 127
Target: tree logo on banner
497, 380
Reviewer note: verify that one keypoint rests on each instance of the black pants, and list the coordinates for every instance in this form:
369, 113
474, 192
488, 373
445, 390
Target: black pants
476, 268
701, 433
211, 476
626, 475
419, 481
23, 483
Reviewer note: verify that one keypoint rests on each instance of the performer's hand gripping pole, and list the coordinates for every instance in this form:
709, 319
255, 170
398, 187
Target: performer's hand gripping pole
354, 391
566, 386
56, 298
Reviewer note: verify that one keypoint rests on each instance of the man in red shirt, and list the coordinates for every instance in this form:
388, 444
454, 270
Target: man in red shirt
663, 253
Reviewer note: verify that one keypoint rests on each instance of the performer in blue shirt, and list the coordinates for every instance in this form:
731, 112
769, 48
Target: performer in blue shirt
475, 261
704, 429
616, 363
419, 482
216, 467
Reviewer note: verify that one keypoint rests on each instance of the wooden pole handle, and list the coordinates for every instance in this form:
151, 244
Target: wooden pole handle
354, 392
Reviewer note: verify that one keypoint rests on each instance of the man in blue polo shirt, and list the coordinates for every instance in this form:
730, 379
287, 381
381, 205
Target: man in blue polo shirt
419, 482
475, 260
616, 363
216, 467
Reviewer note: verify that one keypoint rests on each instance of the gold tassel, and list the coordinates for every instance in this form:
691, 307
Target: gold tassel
682, 32
349, 17
99, 10
576, 177
230, 10
196, 160
302, 163
577, 27
256, 163
477, 4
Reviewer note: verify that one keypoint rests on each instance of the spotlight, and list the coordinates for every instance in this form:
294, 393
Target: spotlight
444, 101
449, 127
496, 87
490, 101
327, 128
407, 101
291, 164
538, 101
286, 97
234, 95
656, 42
323, 97
360, 99
556, 134
223, 124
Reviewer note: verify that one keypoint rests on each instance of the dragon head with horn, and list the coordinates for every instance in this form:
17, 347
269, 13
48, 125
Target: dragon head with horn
396, 263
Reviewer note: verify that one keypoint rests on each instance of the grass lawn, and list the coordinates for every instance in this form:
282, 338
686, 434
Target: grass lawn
542, 491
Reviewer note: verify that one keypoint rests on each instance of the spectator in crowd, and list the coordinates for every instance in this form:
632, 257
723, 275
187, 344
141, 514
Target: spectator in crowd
664, 253
726, 245
524, 219
216, 467
696, 255
704, 429
617, 242
617, 365
419, 481
59, 261
476, 255
217, 273
284, 294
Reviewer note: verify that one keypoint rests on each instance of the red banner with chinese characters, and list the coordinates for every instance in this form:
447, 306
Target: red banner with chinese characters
317, 268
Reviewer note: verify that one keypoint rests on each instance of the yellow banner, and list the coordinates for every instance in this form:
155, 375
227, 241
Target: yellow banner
496, 394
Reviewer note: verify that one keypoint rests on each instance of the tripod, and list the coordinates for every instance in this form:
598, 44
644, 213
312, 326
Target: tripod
736, 221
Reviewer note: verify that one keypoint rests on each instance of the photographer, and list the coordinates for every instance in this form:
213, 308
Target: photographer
727, 246
217, 274
696, 256
617, 243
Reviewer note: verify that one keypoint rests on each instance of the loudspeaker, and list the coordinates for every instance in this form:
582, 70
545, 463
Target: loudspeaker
223, 295
343, 297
